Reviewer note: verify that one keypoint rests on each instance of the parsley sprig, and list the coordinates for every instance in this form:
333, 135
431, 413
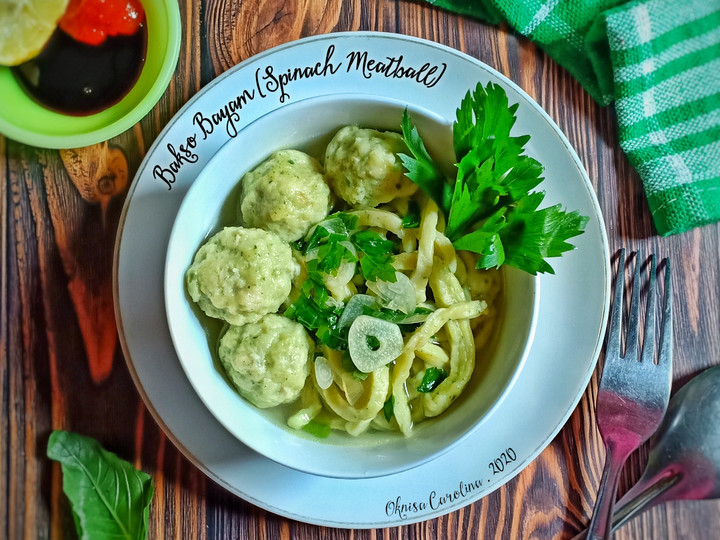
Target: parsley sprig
491, 207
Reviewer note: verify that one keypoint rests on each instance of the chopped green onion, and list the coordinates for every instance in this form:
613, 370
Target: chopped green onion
317, 429
432, 378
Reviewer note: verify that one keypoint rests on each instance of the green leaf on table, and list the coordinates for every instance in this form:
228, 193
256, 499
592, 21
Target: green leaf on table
110, 499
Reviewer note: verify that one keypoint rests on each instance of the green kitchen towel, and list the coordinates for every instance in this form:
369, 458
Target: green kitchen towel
659, 61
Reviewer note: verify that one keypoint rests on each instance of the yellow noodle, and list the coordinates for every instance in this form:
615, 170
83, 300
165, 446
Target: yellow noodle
426, 245
445, 251
410, 240
309, 403
448, 291
401, 370
365, 408
405, 261
373, 217
357, 428
433, 355
462, 363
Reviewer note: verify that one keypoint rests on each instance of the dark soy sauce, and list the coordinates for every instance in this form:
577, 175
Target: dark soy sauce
79, 79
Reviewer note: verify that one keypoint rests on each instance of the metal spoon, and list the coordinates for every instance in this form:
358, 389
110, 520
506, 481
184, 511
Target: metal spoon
684, 461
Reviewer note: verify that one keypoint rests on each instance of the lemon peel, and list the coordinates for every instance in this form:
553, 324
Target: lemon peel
26, 27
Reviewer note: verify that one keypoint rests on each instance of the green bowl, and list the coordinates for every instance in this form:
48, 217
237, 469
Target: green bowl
24, 120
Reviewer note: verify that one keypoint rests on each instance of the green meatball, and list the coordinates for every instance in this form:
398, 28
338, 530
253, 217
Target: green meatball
285, 194
241, 274
363, 167
267, 361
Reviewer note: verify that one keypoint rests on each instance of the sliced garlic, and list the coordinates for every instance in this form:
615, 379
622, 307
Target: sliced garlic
354, 308
399, 296
373, 343
323, 373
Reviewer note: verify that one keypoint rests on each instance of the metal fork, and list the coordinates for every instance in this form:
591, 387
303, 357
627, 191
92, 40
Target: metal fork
634, 391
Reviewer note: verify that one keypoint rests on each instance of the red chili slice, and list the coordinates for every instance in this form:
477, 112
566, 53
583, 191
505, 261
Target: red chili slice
92, 21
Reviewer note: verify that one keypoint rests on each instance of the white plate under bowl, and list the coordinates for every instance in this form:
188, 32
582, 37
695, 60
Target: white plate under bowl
574, 301
308, 125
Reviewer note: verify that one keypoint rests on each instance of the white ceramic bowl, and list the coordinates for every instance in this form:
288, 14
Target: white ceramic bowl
308, 125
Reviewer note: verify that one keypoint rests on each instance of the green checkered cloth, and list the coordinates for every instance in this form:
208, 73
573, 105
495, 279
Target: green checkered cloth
659, 61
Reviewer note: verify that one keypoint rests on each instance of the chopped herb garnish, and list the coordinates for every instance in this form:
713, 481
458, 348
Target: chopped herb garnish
432, 378
313, 310
373, 343
376, 259
331, 243
389, 408
490, 207
411, 220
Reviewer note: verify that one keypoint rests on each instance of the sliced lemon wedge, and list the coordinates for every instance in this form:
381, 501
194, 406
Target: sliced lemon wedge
26, 26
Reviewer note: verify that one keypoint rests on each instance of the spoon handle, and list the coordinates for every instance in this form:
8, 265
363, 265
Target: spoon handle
639, 500
636, 501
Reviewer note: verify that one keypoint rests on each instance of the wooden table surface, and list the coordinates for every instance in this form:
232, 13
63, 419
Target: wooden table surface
62, 368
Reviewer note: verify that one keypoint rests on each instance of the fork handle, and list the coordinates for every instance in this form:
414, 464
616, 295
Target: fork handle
601, 524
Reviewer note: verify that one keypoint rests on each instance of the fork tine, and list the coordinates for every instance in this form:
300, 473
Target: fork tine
631, 343
613, 344
648, 350
665, 355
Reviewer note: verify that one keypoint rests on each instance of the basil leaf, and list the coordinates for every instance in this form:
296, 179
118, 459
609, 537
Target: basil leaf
110, 499
432, 378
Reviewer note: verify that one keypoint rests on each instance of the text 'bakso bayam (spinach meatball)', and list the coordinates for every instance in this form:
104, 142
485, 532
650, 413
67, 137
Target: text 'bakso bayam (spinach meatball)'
267, 361
285, 194
364, 169
241, 274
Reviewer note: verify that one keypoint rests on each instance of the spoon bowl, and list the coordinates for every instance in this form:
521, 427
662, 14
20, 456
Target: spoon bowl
684, 460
